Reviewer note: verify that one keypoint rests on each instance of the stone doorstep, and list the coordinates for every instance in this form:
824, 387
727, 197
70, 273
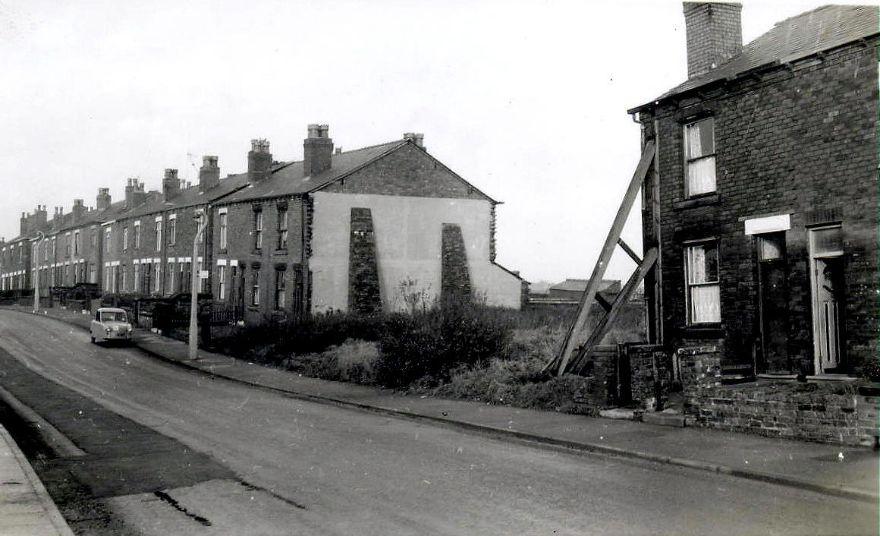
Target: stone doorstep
664, 419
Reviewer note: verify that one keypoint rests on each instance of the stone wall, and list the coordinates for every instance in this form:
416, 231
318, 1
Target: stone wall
455, 280
363, 271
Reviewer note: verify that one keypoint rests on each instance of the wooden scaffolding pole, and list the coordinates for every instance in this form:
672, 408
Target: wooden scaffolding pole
586, 302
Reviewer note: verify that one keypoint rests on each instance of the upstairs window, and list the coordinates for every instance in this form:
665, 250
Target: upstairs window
280, 289
282, 227
137, 235
258, 229
255, 287
108, 235
172, 230
125, 239
158, 235
703, 288
700, 156
223, 230
76, 245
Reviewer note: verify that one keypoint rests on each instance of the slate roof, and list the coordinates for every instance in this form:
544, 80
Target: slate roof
288, 178
803, 35
188, 197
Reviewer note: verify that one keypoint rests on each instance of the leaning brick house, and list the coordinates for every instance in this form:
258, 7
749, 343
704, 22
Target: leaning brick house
763, 202
386, 227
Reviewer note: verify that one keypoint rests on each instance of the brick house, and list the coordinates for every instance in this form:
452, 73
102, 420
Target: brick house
376, 228
763, 193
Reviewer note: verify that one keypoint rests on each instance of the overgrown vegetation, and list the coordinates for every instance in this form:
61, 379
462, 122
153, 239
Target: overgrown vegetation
458, 350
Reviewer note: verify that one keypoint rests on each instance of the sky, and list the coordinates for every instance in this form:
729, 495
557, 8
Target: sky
526, 100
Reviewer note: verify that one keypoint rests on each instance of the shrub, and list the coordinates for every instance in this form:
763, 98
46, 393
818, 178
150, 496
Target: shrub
427, 345
351, 361
871, 370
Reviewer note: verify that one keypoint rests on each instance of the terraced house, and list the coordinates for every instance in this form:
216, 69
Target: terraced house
763, 194
379, 228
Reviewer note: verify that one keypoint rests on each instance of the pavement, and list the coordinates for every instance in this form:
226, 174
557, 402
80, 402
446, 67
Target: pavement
823, 468
25, 506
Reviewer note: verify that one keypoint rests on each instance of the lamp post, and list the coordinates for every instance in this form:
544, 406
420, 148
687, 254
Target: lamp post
40, 238
201, 219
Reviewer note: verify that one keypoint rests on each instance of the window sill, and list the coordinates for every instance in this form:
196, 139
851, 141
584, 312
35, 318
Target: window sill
280, 251
697, 201
713, 330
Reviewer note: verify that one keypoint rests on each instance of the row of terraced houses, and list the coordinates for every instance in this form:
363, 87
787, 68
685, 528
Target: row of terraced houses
362, 230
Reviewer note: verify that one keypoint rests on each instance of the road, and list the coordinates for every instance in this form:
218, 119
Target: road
298, 467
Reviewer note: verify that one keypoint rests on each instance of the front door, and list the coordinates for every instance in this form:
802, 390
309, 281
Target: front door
773, 302
828, 297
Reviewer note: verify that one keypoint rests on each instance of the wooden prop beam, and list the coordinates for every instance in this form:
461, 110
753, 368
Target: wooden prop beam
574, 332
629, 251
622, 297
603, 302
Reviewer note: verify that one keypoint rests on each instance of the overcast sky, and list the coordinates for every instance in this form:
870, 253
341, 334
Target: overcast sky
525, 99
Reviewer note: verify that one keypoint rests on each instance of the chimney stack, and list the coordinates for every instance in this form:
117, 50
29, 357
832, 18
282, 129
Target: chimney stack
317, 150
78, 210
714, 34
170, 184
24, 224
103, 199
416, 137
57, 218
209, 173
259, 161
40, 221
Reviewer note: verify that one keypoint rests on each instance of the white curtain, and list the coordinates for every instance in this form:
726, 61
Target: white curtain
705, 304
701, 175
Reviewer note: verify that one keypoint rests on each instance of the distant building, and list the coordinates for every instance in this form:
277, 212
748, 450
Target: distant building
573, 289
374, 229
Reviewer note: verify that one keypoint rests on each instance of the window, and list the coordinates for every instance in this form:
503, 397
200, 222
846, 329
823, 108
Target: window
159, 234
703, 289
279, 289
107, 239
258, 229
137, 235
171, 272
172, 230
222, 230
93, 274
200, 266
255, 286
157, 277
54, 248
67, 246
77, 248
700, 156
221, 281
136, 283
45, 251
771, 246
125, 238
124, 278
282, 227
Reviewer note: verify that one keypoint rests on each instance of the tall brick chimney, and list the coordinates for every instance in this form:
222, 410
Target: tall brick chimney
317, 150
58, 218
134, 193
416, 137
714, 34
78, 210
170, 184
259, 160
39, 218
209, 173
102, 202
24, 224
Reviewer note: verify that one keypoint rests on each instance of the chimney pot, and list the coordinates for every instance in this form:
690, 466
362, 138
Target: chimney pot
416, 137
714, 34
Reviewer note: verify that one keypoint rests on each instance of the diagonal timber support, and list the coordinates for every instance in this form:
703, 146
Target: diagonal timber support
606, 321
629, 251
560, 362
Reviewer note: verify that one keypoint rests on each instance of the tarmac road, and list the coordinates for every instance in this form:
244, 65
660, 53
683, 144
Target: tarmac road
285, 466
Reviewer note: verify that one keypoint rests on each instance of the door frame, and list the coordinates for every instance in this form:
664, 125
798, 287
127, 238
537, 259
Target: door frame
814, 297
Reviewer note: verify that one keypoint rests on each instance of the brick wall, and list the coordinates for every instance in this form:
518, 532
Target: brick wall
455, 281
714, 34
799, 140
363, 270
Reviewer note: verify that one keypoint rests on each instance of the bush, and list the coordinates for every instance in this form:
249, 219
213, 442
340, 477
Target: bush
351, 361
427, 345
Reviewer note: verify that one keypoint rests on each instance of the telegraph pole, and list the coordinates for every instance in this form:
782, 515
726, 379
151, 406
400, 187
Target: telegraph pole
201, 218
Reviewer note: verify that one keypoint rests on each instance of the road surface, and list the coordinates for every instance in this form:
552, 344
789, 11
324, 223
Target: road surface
277, 465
